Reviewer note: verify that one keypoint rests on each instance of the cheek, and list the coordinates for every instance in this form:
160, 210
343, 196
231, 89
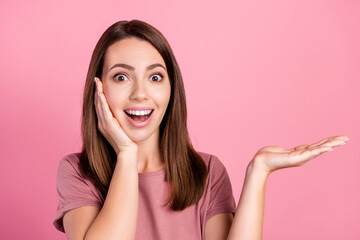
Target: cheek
163, 98
113, 100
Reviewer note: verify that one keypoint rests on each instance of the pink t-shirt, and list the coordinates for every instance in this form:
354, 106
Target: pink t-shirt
154, 220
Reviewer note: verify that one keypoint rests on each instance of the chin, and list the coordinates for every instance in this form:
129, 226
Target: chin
138, 139
138, 136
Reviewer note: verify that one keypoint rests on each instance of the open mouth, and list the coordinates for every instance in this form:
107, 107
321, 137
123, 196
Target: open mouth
139, 115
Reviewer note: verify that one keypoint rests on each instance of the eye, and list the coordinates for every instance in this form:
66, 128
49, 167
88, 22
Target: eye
156, 77
121, 77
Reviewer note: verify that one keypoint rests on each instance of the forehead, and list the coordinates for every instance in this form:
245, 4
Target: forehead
132, 51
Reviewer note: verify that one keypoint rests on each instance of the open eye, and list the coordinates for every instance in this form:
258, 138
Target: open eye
121, 77
156, 77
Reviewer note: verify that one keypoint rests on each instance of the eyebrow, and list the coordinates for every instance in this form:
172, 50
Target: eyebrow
131, 68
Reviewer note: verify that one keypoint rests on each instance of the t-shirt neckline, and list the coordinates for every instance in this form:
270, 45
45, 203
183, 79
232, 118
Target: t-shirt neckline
160, 172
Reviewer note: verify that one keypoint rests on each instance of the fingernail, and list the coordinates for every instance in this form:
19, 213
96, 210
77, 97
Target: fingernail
347, 139
330, 150
342, 144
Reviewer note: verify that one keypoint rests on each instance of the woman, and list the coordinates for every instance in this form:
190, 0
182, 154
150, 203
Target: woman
138, 175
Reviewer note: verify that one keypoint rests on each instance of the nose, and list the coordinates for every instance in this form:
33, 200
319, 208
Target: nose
138, 92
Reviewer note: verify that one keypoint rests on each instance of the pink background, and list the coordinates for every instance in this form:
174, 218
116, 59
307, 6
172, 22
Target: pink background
256, 73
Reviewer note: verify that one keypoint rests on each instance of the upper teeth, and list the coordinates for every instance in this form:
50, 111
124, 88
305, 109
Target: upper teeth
138, 113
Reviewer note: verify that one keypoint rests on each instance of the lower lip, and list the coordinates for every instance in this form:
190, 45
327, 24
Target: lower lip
140, 124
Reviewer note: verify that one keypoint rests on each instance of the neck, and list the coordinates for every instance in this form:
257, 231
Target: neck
149, 157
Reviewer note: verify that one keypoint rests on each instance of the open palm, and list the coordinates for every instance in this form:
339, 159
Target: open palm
272, 158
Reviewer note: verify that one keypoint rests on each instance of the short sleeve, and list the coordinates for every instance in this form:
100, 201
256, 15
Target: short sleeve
73, 190
221, 196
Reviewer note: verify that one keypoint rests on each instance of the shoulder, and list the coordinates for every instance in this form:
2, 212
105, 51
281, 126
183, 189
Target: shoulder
212, 162
71, 183
72, 159
69, 164
74, 190
218, 196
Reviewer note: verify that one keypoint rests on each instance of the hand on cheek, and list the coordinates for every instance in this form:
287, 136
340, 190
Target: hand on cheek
107, 124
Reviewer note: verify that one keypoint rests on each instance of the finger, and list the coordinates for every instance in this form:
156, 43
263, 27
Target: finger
108, 116
98, 108
324, 147
314, 152
321, 142
301, 148
99, 85
101, 90
328, 139
334, 142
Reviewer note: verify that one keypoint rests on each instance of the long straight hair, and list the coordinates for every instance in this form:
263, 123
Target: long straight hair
186, 171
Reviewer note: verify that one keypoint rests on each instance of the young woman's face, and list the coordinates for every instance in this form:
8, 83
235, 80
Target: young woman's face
137, 87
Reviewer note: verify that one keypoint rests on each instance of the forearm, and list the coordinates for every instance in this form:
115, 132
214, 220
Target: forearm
118, 217
248, 220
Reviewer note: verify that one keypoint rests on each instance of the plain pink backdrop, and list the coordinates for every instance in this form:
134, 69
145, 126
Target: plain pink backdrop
256, 73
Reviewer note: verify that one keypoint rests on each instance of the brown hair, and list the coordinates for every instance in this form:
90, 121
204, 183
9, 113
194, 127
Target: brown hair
185, 169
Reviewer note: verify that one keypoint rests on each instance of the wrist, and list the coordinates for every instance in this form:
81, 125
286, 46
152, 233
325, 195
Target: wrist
128, 156
127, 149
256, 167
